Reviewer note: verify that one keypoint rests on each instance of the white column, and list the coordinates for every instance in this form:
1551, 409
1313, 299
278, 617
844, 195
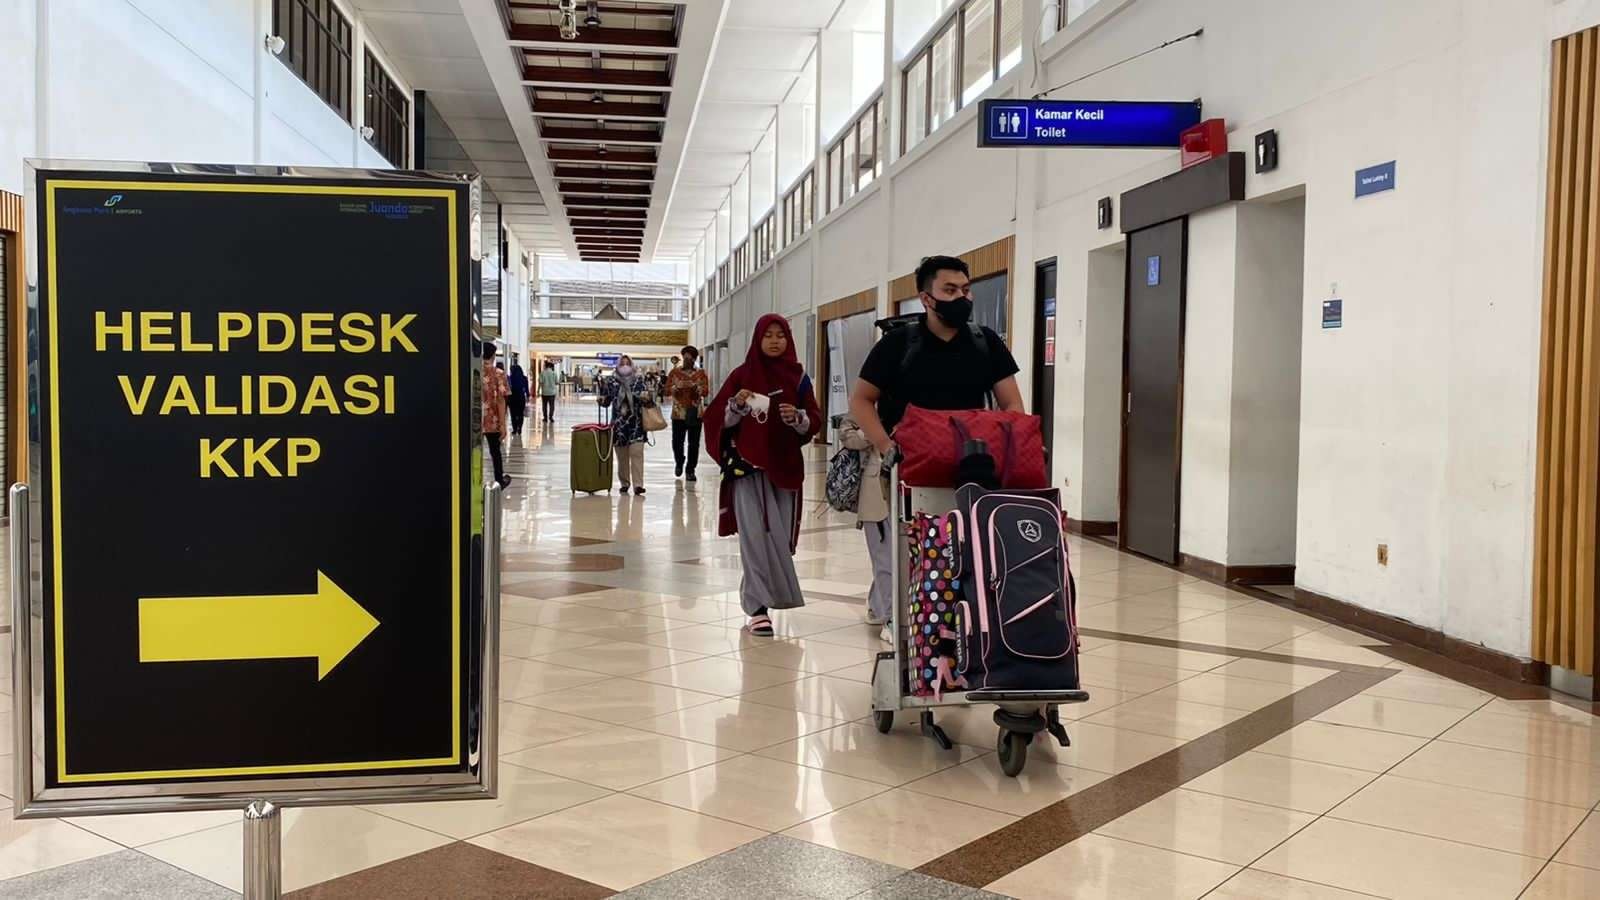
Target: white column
1023, 251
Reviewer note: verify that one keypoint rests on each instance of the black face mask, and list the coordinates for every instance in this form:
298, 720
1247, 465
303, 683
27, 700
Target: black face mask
955, 313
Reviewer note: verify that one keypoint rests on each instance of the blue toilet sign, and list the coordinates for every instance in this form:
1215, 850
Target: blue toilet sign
1152, 271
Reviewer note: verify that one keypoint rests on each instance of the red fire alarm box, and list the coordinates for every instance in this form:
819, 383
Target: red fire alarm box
1207, 140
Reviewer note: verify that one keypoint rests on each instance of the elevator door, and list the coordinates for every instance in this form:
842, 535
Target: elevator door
1153, 390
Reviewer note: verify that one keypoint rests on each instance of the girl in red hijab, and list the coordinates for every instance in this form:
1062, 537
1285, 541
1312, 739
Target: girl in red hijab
761, 418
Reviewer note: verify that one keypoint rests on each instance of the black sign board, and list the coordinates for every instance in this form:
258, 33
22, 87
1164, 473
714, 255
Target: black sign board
257, 479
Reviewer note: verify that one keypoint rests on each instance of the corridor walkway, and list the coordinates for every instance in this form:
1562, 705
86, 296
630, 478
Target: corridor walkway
1233, 749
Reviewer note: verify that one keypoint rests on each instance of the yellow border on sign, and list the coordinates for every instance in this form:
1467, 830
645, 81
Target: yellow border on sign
455, 482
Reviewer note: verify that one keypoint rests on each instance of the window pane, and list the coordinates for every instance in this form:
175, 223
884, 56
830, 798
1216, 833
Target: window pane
977, 50
833, 177
849, 147
916, 102
867, 162
1076, 8
1010, 34
944, 84
881, 157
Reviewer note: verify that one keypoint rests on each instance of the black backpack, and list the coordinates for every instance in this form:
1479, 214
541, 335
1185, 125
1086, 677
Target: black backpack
917, 336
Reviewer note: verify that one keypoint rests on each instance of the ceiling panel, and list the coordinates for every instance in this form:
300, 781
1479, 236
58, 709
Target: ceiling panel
785, 50
785, 14
752, 85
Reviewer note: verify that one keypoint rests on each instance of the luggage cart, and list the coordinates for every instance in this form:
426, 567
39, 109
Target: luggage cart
1019, 715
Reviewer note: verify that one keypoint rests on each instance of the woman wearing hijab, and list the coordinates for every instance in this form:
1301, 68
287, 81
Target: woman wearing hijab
759, 421
628, 395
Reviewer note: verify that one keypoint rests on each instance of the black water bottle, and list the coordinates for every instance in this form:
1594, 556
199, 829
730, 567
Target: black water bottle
977, 466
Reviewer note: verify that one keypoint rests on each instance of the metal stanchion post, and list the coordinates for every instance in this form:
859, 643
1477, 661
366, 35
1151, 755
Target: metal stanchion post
263, 852
22, 645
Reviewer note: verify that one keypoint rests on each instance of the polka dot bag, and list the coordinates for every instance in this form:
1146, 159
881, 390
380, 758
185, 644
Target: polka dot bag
934, 588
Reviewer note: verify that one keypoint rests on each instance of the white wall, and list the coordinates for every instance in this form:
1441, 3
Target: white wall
794, 279
1207, 384
161, 80
853, 248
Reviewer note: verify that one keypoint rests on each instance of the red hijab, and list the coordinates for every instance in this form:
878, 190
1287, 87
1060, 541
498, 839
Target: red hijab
771, 446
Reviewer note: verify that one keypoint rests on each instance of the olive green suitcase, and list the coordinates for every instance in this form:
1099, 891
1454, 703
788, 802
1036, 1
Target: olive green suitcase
591, 459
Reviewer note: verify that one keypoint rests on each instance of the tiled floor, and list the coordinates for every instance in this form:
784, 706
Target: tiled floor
1233, 748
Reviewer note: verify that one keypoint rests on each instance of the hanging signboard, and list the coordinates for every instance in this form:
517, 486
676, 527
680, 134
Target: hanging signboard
1085, 123
236, 371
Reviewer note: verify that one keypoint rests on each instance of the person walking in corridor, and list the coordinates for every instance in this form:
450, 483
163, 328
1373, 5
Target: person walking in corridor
495, 392
762, 417
549, 386
943, 361
517, 403
627, 394
689, 387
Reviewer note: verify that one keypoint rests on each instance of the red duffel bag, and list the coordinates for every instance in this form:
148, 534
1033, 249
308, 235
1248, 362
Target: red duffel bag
931, 442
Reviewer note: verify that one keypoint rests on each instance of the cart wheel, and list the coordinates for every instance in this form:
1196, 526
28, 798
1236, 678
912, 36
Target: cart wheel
884, 719
1013, 749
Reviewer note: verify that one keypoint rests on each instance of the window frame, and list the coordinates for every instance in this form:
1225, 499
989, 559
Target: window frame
311, 62
379, 114
922, 55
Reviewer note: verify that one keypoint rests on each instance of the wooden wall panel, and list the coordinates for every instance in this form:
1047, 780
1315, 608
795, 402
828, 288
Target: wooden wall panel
859, 302
1567, 497
15, 344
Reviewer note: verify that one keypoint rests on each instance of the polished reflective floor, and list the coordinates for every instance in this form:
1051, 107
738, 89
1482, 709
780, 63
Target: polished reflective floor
1233, 748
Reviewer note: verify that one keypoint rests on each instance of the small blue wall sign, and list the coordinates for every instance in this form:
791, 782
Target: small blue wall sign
1375, 179
1333, 314
1152, 271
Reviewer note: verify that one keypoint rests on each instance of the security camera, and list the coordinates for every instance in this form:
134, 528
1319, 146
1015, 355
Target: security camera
569, 26
592, 20
367, 132
275, 45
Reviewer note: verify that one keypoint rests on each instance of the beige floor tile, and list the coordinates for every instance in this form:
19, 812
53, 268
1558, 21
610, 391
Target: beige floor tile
858, 750
1521, 734
788, 624
1332, 652
1247, 694
1267, 670
1219, 828
1096, 867
1297, 784
1583, 849
318, 844
1100, 700
861, 672
1563, 882
1570, 782
823, 695
619, 701
1128, 676
29, 846
523, 726
1395, 716
1189, 596
1099, 748
1389, 863
1133, 580
710, 639
814, 657
1166, 716
528, 641
1429, 690
560, 616
1342, 745
521, 678
1253, 884
618, 841
1227, 630
692, 612
1190, 660
721, 675
981, 783
847, 612
147, 828
636, 632
857, 635
1541, 709
619, 599
619, 758
759, 792
618, 658
1495, 821
523, 794
900, 827
737, 724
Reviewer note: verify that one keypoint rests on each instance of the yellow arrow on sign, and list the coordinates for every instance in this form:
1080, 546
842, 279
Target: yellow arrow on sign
327, 625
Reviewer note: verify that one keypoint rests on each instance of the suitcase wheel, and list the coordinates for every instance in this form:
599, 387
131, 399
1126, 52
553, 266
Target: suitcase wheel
1013, 749
883, 719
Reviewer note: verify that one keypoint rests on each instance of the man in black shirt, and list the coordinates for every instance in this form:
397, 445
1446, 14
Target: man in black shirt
941, 362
